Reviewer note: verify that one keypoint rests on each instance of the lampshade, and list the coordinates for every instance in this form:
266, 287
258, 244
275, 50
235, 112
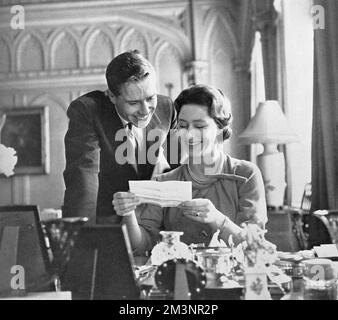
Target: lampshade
269, 125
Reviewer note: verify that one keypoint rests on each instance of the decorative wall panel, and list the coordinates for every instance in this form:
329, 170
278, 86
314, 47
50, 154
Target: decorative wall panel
170, 68
100, 49
30, 55
5, 57
134, 40
65, 52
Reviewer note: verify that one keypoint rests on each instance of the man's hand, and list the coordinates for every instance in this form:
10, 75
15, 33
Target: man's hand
125, 203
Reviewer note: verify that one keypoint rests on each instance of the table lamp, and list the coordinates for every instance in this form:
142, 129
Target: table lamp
270, 127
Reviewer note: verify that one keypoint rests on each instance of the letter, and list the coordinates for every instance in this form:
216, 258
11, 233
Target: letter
214, 308
122, 310
150, 311
192, 309
176, 310
174, 149
142, 152
200, 309
121, 157
318, 16
153, 151
18, 281
18, 20
139, 310
132, 310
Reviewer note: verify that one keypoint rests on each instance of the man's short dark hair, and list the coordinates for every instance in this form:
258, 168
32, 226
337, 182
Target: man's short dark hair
128, 66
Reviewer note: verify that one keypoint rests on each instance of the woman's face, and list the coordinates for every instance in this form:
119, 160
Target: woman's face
198, 132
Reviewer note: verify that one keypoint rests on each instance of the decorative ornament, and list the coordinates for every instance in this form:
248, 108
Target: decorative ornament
257, 255
170, 248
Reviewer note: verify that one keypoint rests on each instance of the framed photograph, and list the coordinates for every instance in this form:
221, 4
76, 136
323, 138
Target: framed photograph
27, 131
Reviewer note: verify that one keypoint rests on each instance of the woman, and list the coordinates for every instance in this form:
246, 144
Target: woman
226, 191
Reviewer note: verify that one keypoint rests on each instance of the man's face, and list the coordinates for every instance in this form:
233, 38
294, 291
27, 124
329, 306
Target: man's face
137, 101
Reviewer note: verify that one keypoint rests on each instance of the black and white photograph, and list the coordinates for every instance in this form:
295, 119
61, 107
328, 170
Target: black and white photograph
168, 156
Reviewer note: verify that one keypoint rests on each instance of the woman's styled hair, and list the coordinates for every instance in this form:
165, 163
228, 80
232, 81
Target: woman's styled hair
218, 105
126, 67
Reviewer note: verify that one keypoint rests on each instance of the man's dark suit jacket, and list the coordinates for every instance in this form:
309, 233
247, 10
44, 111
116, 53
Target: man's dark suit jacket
92, 174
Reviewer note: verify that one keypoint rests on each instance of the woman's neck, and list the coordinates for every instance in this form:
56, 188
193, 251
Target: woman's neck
208, 166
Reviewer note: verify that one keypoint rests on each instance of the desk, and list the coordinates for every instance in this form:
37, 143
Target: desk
212, 291
60, 295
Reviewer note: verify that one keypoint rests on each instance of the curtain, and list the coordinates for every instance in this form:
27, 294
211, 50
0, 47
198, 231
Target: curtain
325, 110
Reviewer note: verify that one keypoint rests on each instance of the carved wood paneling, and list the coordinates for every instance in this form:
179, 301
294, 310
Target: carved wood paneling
100, 50
168, 64
5, 57
133, 39
65, 53
30, 55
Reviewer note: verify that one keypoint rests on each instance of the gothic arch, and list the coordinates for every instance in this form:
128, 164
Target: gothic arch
160, 48
174, 63
128, 34
164, 29
38, 46
211, 21
43, 99
53, 41
91, 36
6, 59
95, 35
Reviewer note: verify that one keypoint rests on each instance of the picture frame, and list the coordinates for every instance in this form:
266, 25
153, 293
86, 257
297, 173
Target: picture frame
27, 131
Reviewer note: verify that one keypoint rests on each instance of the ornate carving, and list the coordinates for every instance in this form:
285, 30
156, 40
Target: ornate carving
30, 54
220, 24
168, 64
46, 99
219, 66
183, 20
65, 54
5, 57
100, 50
134, 40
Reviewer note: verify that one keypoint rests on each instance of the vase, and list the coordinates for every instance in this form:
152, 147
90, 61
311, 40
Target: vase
170, 248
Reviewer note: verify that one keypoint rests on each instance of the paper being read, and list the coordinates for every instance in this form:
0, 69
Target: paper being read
162, 193
326, 250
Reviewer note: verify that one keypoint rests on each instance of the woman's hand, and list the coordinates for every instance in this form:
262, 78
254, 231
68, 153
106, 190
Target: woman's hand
202, 210
125, 203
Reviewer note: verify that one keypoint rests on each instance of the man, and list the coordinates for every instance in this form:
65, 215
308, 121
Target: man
103, 125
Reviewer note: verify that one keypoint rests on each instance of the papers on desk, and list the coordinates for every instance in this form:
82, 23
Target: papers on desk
162, 193
326, 251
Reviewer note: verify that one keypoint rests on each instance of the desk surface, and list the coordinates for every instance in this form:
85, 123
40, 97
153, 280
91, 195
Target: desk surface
61, 295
